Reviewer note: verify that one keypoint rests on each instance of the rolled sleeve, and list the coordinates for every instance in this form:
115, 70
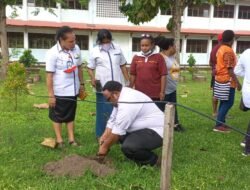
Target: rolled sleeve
92, 62
79, 56
125, 118
50, 61
123, 59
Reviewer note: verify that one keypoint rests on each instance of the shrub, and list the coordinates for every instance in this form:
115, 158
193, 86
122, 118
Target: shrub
27, 58
15, 82
191, 62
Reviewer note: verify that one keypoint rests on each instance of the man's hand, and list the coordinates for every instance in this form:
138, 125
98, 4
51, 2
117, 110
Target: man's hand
100, 158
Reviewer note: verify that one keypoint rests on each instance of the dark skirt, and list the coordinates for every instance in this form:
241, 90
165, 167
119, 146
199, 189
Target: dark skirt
65, 109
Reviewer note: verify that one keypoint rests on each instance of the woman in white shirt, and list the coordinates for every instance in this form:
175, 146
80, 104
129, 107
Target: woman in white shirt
106, 63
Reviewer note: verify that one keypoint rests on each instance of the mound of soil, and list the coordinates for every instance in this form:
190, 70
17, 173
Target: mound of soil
75, 165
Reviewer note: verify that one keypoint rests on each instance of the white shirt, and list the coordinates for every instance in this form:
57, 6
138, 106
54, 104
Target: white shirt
242, 69
57, 60
107, 64
132, 117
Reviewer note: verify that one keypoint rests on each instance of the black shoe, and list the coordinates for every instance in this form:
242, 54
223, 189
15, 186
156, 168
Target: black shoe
178, 128
73, 143
60, 145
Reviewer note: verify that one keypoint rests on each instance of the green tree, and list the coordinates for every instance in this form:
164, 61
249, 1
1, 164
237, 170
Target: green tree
3, 32
141, 11
15, 82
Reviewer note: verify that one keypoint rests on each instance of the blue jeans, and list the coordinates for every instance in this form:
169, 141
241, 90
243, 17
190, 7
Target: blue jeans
103, 112
224, 107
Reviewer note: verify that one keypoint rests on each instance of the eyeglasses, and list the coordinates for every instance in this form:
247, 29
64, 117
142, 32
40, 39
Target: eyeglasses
146, 36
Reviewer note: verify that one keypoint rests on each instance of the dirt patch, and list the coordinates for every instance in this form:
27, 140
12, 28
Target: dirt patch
75, 166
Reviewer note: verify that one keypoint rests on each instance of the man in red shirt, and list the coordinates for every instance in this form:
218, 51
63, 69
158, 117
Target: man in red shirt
212, 63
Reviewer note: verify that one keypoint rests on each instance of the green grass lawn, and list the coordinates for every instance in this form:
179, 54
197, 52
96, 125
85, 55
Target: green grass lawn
202, 159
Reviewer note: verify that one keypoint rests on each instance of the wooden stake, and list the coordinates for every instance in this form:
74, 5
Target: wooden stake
166, 162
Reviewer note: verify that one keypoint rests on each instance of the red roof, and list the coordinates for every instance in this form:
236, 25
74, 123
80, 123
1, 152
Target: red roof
115, 28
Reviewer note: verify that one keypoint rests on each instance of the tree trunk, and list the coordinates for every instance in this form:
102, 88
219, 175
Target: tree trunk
178, 9
4, 44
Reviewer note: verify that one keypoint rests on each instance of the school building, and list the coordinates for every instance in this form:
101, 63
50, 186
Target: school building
29, 26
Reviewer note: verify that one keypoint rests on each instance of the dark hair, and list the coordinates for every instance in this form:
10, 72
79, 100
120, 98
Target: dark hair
227, 36
112, 86
149, 37
164, 43
61, 32
102, 34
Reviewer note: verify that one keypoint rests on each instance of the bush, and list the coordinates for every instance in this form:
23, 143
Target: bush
27, 58
191, 62
15, 82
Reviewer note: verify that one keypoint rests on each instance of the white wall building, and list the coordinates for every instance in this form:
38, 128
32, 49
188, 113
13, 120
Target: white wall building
200, 26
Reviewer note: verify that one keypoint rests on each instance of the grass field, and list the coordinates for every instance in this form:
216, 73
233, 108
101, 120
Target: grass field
202, 159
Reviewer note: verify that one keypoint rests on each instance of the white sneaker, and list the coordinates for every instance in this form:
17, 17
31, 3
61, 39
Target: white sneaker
243, 144
245, 153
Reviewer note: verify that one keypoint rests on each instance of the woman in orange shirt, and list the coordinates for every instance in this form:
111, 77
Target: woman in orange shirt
226, 61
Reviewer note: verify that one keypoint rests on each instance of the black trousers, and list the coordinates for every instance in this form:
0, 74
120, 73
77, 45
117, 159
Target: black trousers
138, 146
169, 98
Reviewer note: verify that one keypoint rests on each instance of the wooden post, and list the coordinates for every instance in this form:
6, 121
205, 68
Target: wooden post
167, 147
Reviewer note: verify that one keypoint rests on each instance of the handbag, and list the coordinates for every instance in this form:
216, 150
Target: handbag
222, 90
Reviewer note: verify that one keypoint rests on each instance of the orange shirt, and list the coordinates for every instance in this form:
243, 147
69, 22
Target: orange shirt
226, 59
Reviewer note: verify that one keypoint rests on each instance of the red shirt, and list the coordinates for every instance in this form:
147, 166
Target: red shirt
148, 72
213, 58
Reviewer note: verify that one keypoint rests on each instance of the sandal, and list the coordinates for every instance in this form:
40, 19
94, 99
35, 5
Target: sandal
73, 143
59, 145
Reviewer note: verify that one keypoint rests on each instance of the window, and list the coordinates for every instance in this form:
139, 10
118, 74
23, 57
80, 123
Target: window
225, 11
41, 41
242, 46
196, 46
74, 4
15, 39
108, 8
199, 11
82, 41
45, 3
244, 12
136, 44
